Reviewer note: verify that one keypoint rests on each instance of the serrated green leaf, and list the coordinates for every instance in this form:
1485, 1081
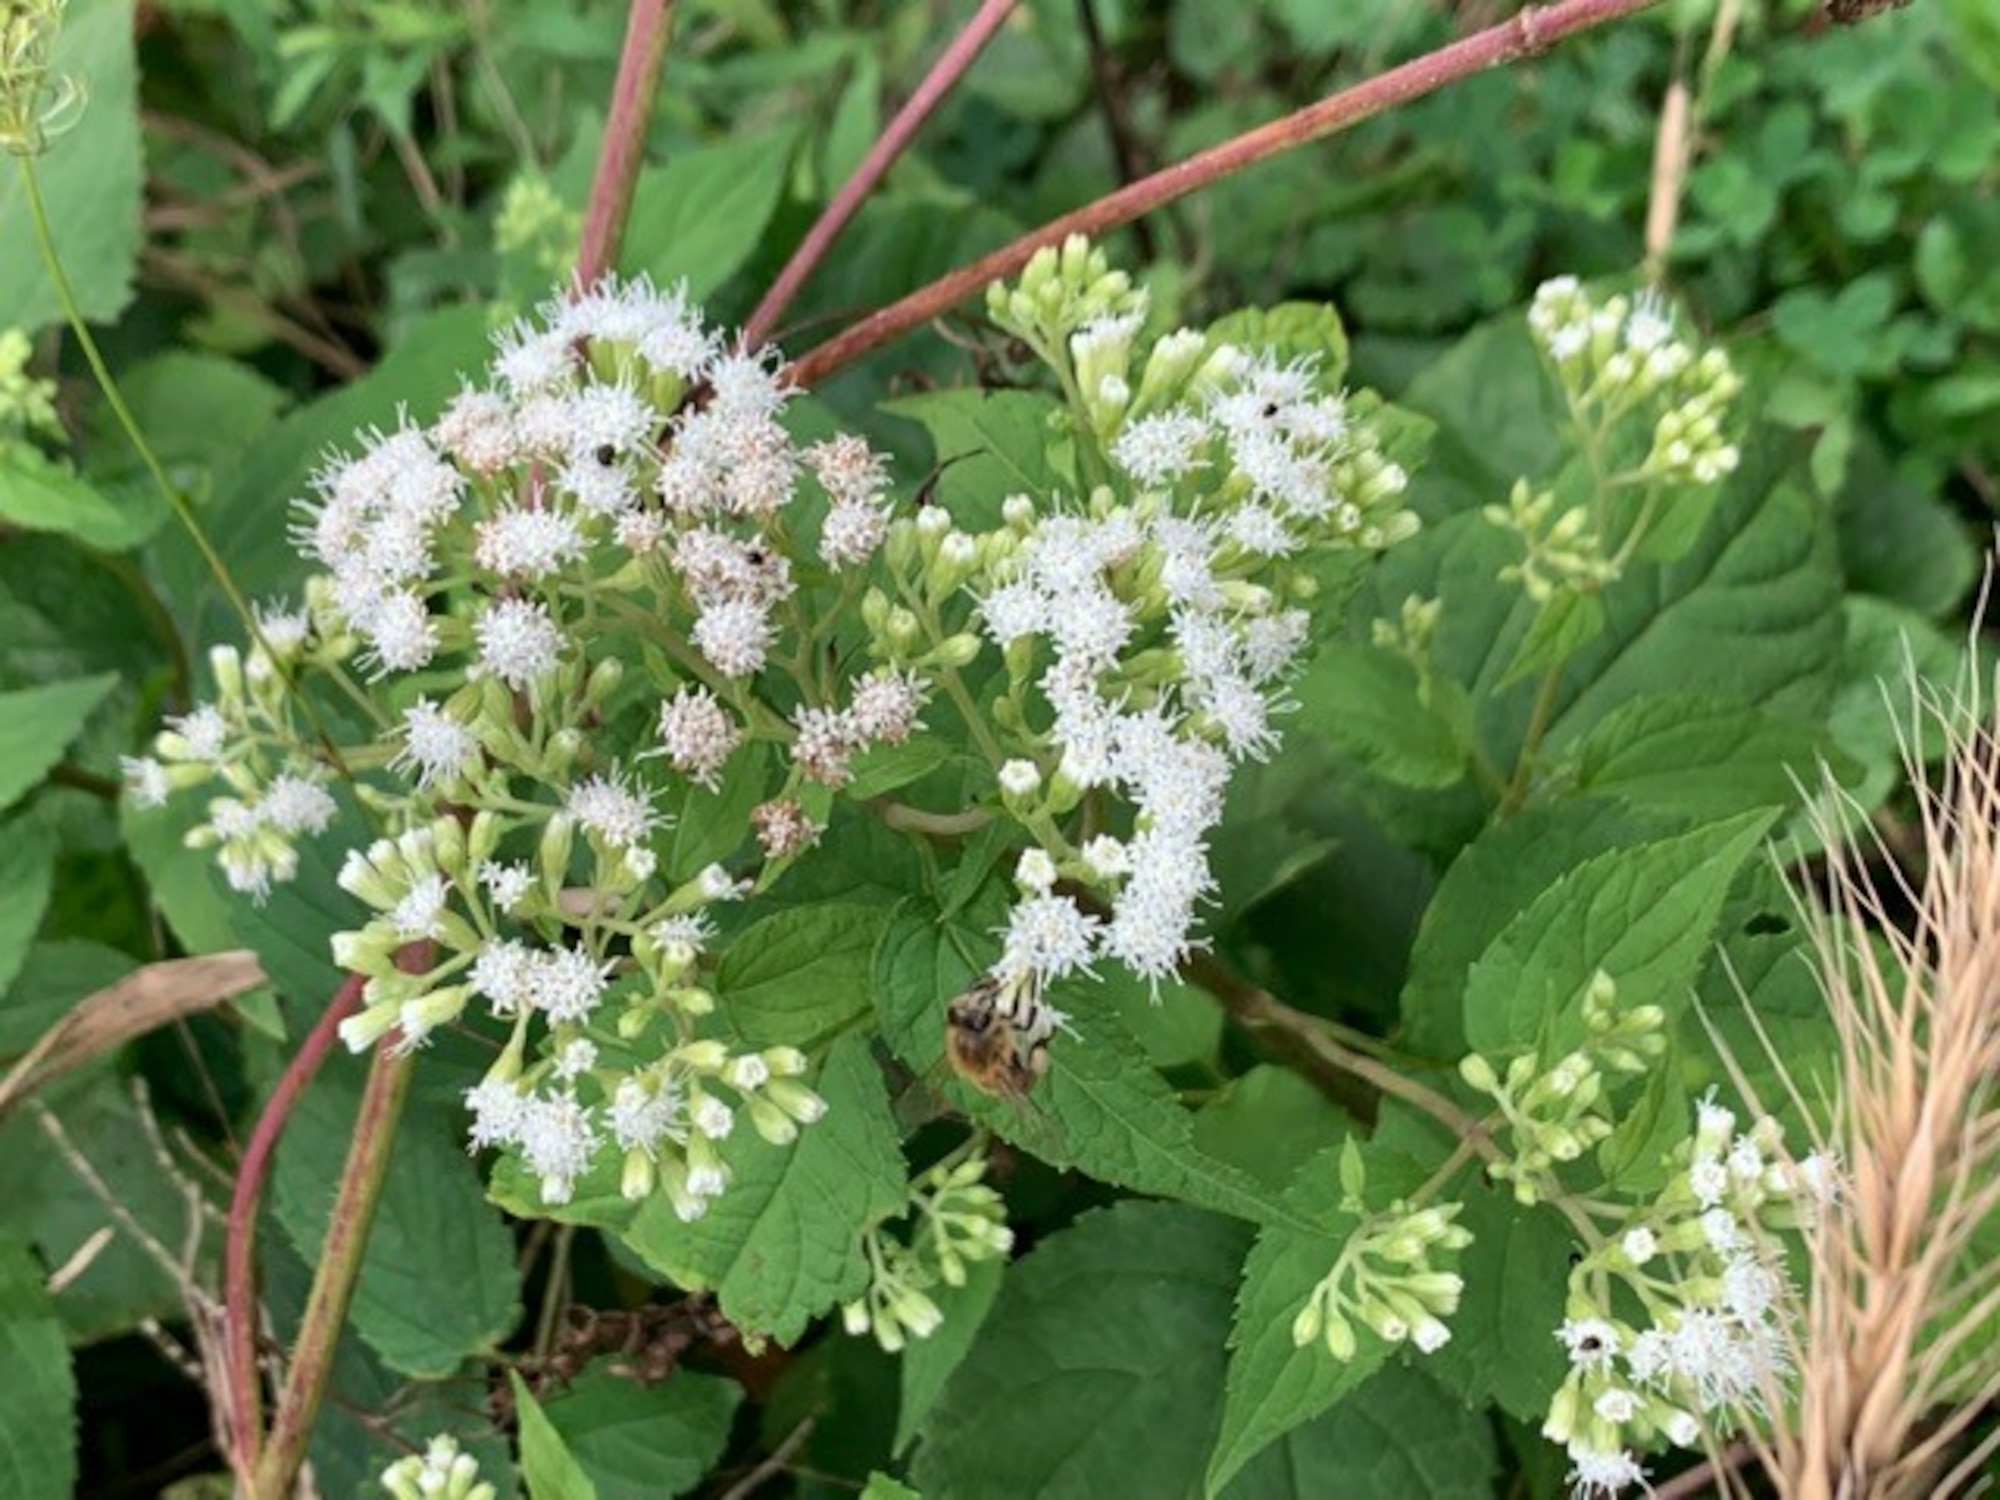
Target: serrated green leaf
1644, 916
439, 1280
639, 1441
928, 1363
90, 179
36, 723
1503, 1347
1100, 1109
1636, 1157
37, 1386
39, 494
1495, 877
198, 411
881, 1487
702, 215
1366, 701
1684, 755
1270, 1122
989, 445
549, 1469
1400, 1435
1099, 1370
783, 1244
27, 874
800, 975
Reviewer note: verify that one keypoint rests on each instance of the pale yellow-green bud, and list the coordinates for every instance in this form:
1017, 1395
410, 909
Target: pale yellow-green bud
772, 1123
552, 855
956, 651
635, 1181
1478, 1072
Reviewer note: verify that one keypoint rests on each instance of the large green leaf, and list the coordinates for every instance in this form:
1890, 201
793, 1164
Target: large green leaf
702, 215
1689, 756
37, 1386
1496, 876
802, 974
783, 1244
1101, 1109
1100, 1369
90, 180
928, 1363
639, 1441
439, 1281
1503, 1346
1643, 915
1400, 1435
1367, 702
36, 723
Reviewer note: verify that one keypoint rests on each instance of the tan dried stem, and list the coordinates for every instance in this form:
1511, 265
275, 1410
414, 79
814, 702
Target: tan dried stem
1900, 1324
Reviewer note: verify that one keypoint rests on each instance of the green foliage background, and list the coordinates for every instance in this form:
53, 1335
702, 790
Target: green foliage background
290, 222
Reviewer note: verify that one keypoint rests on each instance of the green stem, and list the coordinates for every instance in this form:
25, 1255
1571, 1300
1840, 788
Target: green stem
66, 295
115, 398
338, 1269
1538, 728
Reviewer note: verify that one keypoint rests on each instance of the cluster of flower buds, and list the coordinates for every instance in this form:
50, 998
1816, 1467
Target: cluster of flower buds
1389, 1278
440, 1472
1556, 1111
957, 1220
1563, 552
1705, 1263
1623, 356
1653, 417
271, 799
27, 403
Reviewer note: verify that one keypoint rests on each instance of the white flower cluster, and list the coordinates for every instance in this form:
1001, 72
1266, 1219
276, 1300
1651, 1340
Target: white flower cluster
1705, 1263
620, 492
1148, 629
1385, 1279
440, 1472
271, 799
958, 1221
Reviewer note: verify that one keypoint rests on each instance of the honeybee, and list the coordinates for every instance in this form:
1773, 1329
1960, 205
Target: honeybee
996, 1035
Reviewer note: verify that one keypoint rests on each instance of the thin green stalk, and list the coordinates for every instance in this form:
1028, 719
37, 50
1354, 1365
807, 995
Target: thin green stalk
66, 295
176, 501
1531, 743
338, 1269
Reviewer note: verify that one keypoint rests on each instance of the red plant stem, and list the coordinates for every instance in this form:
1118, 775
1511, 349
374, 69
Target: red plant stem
337, 1271
239, 1318
945, 72
1532, 31
648, 26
